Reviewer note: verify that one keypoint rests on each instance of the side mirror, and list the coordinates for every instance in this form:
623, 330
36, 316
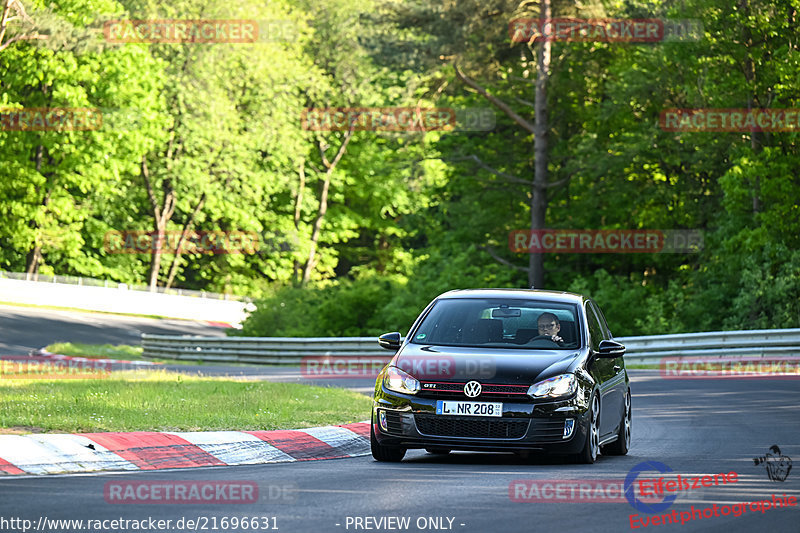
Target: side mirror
611, 349
390, 341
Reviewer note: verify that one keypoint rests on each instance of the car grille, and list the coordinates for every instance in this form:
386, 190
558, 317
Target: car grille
489, 392
468, 427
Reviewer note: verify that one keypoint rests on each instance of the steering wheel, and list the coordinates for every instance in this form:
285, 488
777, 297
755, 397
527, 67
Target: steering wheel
544, 338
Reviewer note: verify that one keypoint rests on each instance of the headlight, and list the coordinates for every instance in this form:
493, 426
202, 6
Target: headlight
562, 385
398, 381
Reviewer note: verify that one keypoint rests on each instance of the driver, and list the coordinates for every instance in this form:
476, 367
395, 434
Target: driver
549, 326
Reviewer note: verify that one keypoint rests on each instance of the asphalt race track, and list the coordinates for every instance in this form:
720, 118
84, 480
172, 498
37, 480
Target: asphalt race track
23, 329
695, 427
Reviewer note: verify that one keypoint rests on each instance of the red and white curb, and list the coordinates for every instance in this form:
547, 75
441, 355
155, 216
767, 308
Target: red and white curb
149, 450
217, 324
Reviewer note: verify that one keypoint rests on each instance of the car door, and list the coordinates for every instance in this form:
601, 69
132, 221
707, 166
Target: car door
616, 387
603, 371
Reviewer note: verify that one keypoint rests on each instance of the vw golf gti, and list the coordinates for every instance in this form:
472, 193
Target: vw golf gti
525, 371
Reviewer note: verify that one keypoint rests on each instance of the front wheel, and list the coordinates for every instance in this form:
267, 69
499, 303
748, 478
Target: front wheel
384, 454
589, 453
623, 442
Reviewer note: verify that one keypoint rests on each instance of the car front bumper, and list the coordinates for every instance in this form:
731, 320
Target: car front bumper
410, 421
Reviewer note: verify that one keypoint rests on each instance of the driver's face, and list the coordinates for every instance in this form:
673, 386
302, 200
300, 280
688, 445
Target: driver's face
549, 327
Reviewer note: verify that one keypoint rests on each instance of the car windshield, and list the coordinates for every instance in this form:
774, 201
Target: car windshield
501, 323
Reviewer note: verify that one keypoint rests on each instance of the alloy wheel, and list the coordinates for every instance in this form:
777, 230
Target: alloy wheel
594, 428
627, 420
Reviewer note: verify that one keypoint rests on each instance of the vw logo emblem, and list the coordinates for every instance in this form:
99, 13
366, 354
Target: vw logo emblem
472, 389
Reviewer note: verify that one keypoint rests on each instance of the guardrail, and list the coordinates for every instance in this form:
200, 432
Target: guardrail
289, 350
715, 344
94, 282
262, 350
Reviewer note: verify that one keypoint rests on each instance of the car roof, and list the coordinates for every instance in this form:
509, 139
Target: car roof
517, 294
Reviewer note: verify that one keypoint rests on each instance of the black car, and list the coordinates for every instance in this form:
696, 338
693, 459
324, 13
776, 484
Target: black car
511, 370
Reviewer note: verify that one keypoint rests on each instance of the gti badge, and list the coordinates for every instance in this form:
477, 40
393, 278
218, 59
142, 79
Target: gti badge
429, 385
472, 389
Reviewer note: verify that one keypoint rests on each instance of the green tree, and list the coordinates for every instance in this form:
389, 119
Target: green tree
50, 177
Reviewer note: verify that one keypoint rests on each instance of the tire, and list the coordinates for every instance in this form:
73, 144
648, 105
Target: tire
623, 442
384, 454
591, 447
437, 451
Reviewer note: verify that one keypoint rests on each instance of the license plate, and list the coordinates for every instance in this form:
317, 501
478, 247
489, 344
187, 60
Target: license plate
469, 408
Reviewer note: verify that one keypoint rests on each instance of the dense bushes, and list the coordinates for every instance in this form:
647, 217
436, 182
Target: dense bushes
766, 295
350, 308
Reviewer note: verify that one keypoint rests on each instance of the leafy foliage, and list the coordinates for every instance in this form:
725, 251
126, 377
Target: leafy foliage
218, 128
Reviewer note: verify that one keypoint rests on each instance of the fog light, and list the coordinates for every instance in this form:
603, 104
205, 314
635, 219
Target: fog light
569, 427
382, 420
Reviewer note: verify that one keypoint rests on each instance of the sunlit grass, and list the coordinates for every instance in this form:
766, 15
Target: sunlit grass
110, 351
125, 352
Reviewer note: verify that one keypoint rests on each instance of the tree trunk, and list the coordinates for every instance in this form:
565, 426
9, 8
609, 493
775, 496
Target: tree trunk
19, 15
323, 208
539, 187
539, 129
4, 20
298, 205
34, 256
330, 166
162, 213
749, 70
173, 269
155, 254
32, 260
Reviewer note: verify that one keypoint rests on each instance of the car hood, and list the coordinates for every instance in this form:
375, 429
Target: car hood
487, 365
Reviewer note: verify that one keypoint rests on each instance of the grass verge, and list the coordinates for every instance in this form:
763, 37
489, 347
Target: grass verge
157, 400
125, 352
97, 351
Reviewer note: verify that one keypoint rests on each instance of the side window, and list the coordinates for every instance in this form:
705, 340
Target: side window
595, 331
603, 323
